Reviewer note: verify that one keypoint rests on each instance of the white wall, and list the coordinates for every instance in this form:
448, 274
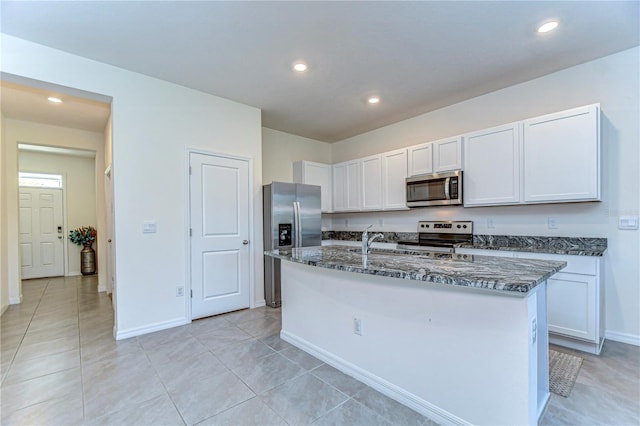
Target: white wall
280, 150
613, 82
80, 193
153, 124
4, 275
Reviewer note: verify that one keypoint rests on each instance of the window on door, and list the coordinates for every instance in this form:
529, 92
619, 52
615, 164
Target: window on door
40, 180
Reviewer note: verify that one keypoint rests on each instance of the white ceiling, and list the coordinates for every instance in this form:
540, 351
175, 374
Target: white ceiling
28, 103
418, 56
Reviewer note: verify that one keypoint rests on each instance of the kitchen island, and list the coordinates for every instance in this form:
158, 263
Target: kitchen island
461, 339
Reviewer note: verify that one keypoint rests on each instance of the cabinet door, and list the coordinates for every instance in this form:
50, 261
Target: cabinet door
339, 187
571, 305
420, 159
371, 183
492, 166
319, 174
562, 156
354, 193
394, 174
447, 154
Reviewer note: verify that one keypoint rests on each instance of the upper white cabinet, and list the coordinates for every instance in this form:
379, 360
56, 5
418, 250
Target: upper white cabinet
316, 174
371, 183
554, 158
492, 166
346, 186
434, 157
394, 174
447, 155
562, 156
420, 159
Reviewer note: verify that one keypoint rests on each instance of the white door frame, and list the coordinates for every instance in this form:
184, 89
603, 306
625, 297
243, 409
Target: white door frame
187, 226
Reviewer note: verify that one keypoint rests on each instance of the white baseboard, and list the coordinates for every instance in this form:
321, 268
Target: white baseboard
404, 397
631, 339
4, 308
102, 288
138, 331
74, 274
259, 304
15, 300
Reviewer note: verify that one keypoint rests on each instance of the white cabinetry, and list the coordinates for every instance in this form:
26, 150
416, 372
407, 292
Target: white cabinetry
371, 183
554, 158
492, 166
316, 174
575, 299
394, 174
434, 157
447, 155
562, 156
420, 159
347, 186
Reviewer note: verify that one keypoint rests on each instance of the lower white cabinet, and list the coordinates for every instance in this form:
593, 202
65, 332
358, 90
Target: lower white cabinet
319, 174
575, 299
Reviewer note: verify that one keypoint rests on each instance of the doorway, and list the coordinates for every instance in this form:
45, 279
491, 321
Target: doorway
219, 211
41, 232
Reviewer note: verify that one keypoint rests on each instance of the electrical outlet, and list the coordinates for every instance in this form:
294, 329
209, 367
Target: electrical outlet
552, 222
179, 291
490, 223
357, 326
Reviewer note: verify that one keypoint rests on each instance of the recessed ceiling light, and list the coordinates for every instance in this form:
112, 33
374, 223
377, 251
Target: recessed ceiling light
299, 66
54, 100
548, 26
373, 99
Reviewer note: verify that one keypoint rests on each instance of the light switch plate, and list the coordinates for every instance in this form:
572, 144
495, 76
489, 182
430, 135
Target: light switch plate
149, 227
628, 222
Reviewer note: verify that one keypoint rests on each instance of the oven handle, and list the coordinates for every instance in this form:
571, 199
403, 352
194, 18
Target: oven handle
446, 188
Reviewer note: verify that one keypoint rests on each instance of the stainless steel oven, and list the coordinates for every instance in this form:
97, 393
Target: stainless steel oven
437, 189
440, 236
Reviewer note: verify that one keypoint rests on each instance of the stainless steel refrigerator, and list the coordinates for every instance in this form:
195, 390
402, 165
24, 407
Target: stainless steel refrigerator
292, 218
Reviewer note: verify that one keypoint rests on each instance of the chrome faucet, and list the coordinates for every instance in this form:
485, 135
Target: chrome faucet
366, 241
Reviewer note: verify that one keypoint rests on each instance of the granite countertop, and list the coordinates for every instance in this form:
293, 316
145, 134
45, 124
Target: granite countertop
555, 245
510, 275
576, 246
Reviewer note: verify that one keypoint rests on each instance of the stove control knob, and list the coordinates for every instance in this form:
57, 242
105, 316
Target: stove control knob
464, 226
458, 226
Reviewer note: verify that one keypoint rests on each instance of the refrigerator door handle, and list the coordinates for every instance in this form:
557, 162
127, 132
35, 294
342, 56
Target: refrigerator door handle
297, 225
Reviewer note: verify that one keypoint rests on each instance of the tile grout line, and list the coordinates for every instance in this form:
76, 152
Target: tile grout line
13, 357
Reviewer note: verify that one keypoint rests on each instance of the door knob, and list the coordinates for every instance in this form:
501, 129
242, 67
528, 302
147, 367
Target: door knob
245, 242
59, 237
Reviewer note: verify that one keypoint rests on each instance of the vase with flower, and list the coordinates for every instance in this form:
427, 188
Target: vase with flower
85, 236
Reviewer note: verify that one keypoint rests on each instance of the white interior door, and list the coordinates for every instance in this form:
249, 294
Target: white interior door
219, 210
41, 233
108, 191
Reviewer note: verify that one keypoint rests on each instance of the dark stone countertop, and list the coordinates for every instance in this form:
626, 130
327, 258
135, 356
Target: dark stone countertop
576, 246
511, 275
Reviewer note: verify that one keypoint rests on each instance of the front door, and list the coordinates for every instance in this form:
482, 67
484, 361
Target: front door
219, 220
41, 233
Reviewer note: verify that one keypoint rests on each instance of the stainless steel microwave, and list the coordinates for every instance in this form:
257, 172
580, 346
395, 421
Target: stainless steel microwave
437, 189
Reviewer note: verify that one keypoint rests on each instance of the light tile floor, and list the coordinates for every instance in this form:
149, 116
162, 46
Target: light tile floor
61, 366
